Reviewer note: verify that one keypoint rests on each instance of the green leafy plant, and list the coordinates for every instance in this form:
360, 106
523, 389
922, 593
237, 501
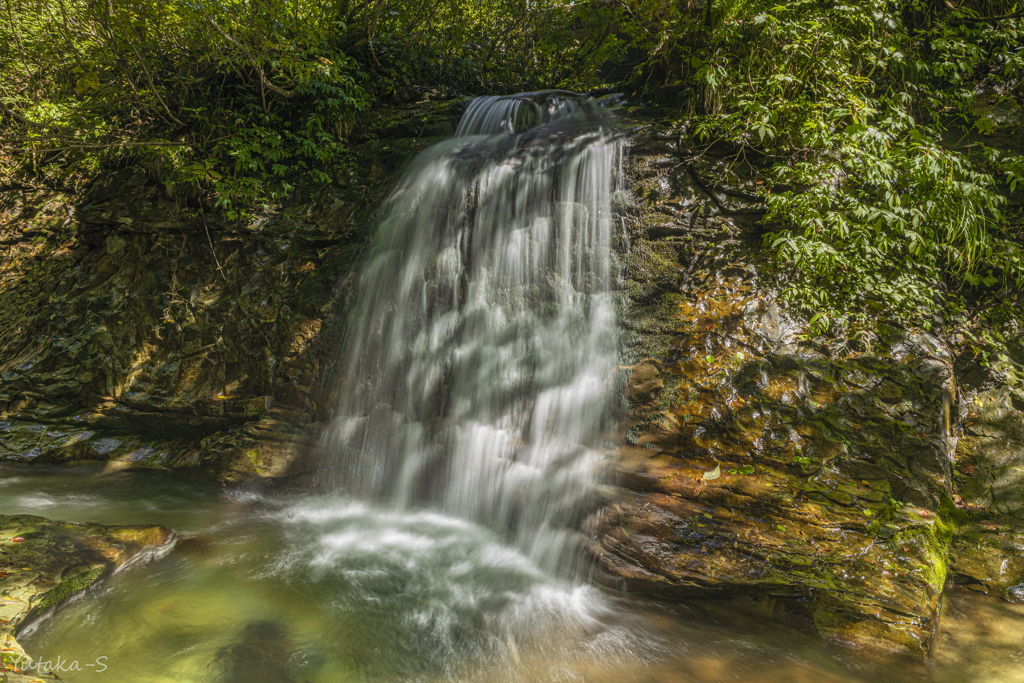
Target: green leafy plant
241, 100
853, 115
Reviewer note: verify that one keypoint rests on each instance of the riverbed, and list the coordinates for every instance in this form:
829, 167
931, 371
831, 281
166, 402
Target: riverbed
299, 587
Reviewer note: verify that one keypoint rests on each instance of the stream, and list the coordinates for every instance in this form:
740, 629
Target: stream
305, 589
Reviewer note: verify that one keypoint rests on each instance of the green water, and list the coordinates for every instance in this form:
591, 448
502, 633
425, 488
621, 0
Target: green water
298, 588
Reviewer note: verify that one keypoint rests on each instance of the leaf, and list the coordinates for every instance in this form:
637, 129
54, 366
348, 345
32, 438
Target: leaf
713, 474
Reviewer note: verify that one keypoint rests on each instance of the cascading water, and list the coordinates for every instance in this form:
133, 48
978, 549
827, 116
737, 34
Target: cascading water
480, 347
482, 337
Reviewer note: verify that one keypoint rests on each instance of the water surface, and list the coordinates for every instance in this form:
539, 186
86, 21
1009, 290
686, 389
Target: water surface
315, 589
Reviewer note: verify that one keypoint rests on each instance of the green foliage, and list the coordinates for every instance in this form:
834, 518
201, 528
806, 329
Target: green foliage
241, 99
235, 97
854, 113
495, 47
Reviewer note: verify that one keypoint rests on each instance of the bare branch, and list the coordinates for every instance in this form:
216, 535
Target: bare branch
110, 145
145, 70
18, 117
255, 65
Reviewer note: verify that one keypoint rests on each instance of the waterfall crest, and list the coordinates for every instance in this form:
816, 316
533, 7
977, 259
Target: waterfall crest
482, 335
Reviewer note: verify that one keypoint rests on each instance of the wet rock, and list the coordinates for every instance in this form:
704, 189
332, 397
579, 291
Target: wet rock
988, 556
126, 336
833, 505
44, 563
990, 457
644, 380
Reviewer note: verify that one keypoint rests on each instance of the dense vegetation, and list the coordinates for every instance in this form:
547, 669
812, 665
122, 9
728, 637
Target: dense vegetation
855, 117
857, 113
242, 97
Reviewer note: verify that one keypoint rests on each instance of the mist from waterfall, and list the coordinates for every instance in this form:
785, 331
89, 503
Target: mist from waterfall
482, 336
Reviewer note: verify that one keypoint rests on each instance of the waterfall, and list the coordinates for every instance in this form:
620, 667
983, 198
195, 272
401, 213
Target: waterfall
482, 340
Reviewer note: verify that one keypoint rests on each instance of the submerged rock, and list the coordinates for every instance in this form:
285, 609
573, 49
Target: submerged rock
43, 564
262, 651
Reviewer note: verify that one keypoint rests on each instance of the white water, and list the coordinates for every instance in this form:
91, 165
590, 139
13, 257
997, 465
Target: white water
482, 338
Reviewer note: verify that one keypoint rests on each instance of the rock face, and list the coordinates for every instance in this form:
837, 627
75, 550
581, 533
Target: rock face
44, 563
811, 478
147, 333
990, 463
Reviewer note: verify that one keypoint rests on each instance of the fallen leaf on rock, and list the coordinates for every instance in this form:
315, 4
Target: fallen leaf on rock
713, 474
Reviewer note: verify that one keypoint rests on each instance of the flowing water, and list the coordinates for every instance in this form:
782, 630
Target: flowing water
442, 545
482, 337
300, 589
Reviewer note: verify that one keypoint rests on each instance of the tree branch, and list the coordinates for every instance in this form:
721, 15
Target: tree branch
109, 145
18, 117
145, 70
259, 70
984, 20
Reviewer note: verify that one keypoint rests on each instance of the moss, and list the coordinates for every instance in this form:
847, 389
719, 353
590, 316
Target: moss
935, 541
10, 660
255, 459
886, 515
952, 514
634, 433
675, 391
68, 588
